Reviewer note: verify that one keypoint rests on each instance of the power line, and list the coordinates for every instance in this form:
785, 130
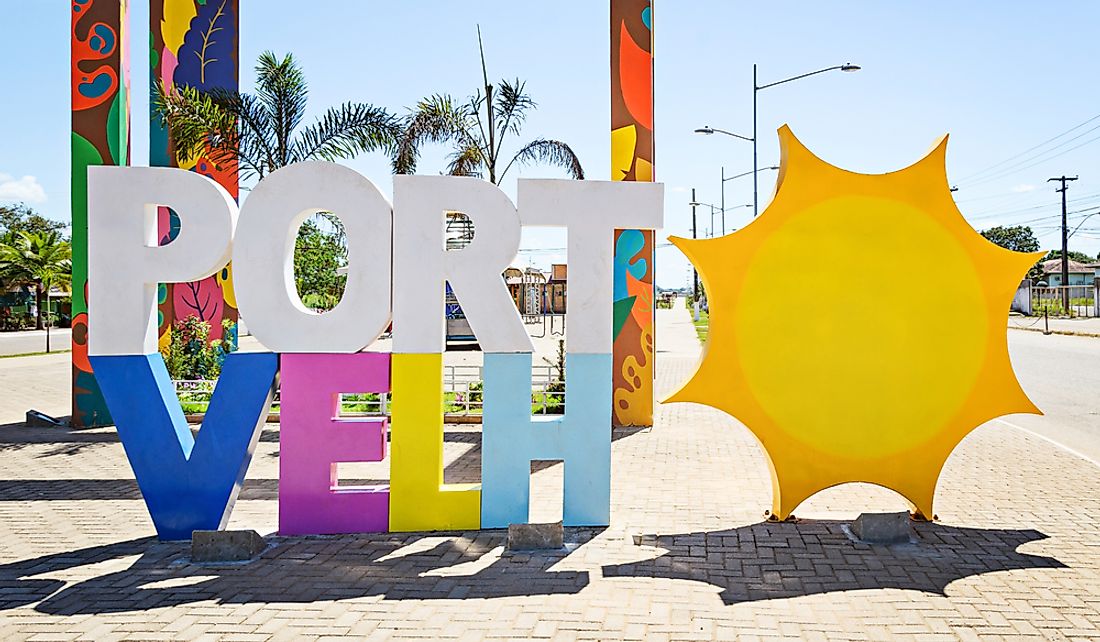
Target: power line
1030, 149
1037, 162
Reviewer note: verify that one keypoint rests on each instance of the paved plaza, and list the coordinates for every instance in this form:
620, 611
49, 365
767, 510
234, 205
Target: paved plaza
689, 555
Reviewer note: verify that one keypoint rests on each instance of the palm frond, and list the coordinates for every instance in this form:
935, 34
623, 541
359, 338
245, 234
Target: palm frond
436, 119
550, 152
343, 132
467, 161
196, 120
282, 89
512, 104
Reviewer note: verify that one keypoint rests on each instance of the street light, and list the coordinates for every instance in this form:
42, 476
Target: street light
846, 67
713, 209
730, 178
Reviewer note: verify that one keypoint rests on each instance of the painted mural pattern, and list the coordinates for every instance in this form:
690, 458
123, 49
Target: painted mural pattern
100, 136
193, 43
632, 160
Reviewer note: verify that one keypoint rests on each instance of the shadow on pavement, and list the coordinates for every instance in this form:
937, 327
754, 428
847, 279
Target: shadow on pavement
771, 560
300, 570
758, 562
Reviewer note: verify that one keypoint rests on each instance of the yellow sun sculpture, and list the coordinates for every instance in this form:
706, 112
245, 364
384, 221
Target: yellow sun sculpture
857, 327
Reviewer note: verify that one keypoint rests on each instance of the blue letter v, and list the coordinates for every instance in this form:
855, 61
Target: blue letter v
189, 483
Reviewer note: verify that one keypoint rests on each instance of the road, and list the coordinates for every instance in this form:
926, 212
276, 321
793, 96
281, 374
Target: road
1060, 373
33, 341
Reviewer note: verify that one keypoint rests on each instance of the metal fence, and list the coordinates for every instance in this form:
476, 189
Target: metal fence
462, 395
1064, 300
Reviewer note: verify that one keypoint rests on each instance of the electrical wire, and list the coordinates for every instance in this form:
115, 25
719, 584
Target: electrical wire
1029, 149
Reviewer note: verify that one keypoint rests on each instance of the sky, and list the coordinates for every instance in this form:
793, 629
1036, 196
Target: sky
1013, 82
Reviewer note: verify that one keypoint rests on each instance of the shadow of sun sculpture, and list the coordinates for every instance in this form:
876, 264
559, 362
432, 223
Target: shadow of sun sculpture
774, 560
820, 339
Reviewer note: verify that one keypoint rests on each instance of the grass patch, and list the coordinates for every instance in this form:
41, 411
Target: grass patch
702, 326
32, 354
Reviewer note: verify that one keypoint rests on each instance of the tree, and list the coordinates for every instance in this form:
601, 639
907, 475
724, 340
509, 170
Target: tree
477, 138
260, 133
1079, 257
317, 256
22, 218
1018, 238
41, 259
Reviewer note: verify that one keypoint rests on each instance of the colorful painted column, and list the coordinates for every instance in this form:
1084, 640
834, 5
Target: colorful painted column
194, 43
101, 133
632, 160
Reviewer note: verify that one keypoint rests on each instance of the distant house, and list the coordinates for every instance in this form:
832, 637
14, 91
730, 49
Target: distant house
528, 289
1079, 273
556, 288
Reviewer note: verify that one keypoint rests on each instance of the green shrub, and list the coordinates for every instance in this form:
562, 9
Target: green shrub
191, 355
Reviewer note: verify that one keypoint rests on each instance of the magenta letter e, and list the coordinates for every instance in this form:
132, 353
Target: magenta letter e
314, 438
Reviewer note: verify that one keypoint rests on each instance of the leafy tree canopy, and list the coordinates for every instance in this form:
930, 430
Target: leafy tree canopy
1018, 238
38, 259
318, 252
22, 218
1073, 255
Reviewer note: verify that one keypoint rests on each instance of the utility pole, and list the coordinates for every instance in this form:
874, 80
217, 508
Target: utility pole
1063, 179
694, 235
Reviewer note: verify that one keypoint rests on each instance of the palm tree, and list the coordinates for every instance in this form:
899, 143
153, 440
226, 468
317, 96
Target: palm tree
41, 259
477, 137
260, 133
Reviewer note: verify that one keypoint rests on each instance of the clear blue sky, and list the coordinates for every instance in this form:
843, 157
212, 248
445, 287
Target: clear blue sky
1001, 77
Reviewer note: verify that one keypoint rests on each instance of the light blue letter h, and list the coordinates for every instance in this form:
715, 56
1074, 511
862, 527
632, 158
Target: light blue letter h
511, 439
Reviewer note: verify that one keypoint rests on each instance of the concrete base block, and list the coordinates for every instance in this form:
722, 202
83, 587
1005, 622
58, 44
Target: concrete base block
35, 419
226, 546
882, 528
530, 537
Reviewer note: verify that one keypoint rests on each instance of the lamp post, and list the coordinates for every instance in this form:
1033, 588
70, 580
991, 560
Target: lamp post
730, 178
714, 208
847, 67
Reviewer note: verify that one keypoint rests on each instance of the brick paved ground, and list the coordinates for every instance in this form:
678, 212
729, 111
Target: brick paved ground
1015, 555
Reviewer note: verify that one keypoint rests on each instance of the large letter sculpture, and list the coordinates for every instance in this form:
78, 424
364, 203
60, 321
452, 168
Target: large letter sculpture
188, 483
191, 483
314, 439
422, 266
591, 211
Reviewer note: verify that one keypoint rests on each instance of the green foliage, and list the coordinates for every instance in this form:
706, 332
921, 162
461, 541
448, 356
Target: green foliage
191, 355
39, 259
1073, 255
555, 403
702, 326
318, 253
477, 138
260, 132
22, 218
1018, 238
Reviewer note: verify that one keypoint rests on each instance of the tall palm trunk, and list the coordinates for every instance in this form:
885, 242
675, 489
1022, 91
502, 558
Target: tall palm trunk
39, 325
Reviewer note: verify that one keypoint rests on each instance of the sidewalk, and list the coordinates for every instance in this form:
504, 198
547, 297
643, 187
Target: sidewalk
1081, 327
1014, 554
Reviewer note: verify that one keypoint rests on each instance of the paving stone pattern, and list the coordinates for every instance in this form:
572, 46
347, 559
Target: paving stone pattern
1015, 554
